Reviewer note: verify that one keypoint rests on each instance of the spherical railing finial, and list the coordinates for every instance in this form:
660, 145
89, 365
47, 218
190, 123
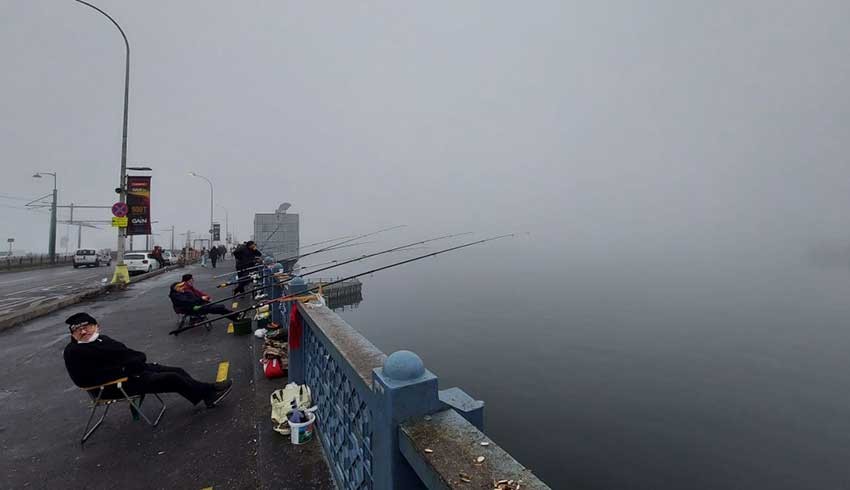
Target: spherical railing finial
404, 365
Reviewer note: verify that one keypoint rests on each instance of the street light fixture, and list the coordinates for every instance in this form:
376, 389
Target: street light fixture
121, 274
51, 247
193, 174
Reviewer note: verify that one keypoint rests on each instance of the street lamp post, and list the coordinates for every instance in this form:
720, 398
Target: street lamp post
121, 275
193, 174
226, 223
51, 248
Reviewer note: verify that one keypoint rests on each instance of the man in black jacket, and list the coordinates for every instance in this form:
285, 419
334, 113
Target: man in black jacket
247, 256
93, 359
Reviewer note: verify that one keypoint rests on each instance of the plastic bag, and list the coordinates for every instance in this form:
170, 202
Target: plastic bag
282, 400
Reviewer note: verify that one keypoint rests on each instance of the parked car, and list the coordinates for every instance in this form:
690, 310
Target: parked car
91, 258
140, 262
169, 257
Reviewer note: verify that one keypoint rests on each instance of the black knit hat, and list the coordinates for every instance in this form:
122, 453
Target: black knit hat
187, 277
79, 320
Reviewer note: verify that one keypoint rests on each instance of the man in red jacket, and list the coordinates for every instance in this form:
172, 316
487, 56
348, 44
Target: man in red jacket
93, 359
185, 295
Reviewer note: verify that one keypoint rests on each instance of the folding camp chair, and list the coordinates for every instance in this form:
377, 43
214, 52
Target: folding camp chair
113, 392
186, 313
190, 315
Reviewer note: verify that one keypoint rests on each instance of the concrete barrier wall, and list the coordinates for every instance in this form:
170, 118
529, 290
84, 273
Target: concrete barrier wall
33, 261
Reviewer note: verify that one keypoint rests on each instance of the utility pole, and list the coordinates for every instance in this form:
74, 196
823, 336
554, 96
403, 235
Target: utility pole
51, 247
121, 275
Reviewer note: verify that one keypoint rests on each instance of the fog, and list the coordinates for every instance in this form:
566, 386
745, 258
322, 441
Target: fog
626, 129
670, 148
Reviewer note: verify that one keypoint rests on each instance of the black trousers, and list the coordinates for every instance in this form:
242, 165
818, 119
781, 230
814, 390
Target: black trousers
215, 310
213, 260
166, 379
244, 279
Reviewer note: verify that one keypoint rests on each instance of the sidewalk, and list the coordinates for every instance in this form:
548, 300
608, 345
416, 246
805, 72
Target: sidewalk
42, 413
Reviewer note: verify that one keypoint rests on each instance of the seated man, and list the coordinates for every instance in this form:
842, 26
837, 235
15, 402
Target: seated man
185, 296
93, 359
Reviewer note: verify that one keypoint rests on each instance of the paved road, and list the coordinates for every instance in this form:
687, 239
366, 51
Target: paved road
30, 288
42, 413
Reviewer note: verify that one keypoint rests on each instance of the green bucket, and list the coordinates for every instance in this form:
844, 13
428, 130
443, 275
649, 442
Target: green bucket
242, 327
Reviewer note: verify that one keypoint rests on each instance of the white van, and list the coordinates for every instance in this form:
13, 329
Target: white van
90, 257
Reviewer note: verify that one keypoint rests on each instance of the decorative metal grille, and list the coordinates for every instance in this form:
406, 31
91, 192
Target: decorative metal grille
345, 425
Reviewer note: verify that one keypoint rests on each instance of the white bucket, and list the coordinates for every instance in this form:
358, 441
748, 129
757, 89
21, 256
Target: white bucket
302, 432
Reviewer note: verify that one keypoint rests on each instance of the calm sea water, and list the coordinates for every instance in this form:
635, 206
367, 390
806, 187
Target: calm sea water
648, 374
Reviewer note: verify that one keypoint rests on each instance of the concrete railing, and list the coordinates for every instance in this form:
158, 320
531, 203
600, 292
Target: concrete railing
32, 261
382, 421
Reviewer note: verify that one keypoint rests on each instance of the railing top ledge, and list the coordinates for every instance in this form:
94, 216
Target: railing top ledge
356, 349
454, 446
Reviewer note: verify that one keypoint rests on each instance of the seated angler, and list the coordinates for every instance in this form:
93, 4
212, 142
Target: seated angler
93, 359
185, 296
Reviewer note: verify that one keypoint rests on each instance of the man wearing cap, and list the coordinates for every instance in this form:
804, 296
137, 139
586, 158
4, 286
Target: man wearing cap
184, 295
93, 359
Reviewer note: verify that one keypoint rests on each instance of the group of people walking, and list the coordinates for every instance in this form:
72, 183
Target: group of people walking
214, 254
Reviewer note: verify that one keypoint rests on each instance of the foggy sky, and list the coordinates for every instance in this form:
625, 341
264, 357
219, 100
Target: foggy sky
650, 128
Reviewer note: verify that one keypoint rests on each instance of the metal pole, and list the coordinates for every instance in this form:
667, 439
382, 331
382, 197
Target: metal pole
52, 246
122, 182
193, 174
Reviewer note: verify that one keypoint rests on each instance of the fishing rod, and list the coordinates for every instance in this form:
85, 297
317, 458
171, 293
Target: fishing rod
338, 281
325, 249
325, 241
349, 261
329, 249
343, 242
394, 249
258, 266
320, 264
237, 280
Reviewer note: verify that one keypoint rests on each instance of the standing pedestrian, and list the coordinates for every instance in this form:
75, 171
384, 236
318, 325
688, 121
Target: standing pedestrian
247, 256
203, 256
213, 256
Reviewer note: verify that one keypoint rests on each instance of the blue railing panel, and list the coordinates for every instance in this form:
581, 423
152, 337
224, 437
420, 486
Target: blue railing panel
344, 415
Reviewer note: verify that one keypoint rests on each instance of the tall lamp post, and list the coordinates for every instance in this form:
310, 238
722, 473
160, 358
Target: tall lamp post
193, 174
121, 275
226, 224
51, 248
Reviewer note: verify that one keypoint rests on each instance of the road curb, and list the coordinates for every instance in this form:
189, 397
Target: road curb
23, 316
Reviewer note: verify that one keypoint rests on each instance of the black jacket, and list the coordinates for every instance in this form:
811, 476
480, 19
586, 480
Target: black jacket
184, 301
100, 361
245, 257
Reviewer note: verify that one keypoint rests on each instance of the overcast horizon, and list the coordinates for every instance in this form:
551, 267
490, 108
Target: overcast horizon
645, 128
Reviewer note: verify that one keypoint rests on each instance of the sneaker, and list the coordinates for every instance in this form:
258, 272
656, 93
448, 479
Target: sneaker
221, 390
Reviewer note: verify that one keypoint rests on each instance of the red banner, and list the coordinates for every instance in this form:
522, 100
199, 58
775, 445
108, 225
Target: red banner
139, 202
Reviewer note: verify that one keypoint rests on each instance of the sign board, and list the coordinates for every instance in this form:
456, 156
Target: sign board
216, 232
120, 209
10, 240
139, 205
119, 222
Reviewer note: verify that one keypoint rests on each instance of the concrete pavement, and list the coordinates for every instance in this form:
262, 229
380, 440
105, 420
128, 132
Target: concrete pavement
37, 286
42, 413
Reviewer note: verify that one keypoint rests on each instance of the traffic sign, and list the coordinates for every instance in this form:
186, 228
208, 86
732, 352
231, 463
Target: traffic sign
119, 222
120, 209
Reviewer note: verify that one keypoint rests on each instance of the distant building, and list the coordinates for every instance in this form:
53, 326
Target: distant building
276, 234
